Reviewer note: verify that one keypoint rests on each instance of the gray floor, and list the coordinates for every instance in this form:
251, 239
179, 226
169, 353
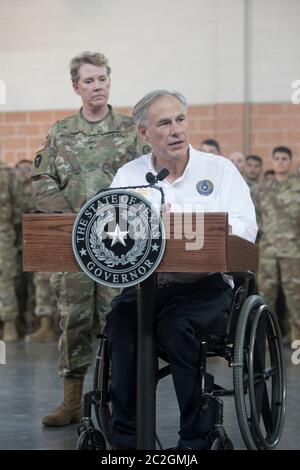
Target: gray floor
30, 387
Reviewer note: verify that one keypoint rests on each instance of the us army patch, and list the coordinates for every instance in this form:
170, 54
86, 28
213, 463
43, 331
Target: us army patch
41, 162
38, 160
205, 187
118, 238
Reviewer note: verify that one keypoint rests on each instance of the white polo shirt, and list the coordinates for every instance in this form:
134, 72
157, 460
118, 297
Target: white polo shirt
210, 183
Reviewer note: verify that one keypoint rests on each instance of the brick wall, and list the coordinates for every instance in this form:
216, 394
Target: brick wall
23, 133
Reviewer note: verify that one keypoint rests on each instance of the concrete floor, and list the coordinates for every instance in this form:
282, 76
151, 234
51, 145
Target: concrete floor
30, 388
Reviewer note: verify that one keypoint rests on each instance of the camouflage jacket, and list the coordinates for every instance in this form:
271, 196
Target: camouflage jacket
11, 202
27, 194
80, 158
254, 189
279, 213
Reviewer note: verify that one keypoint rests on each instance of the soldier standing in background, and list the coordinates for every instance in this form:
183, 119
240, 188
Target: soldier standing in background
10, 218
253, 170
238, 159
252, 174
25, 284
81, 156
34, 290
210, 146
279, 213
45, 307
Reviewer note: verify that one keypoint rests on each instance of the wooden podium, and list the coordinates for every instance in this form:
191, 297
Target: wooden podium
47, 246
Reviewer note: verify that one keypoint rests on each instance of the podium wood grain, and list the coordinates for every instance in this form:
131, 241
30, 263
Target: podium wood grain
47, 245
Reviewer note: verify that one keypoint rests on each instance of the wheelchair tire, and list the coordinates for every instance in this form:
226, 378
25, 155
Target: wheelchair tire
86, 442
101, 388
258, 357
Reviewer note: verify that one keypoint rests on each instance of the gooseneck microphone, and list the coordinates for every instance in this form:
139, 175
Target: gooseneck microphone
161, 175
152, 180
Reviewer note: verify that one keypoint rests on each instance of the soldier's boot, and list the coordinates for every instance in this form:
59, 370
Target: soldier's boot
44, 333
70, 410
9, 331
295, 331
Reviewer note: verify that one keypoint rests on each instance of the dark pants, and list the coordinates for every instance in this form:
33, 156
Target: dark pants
183, 311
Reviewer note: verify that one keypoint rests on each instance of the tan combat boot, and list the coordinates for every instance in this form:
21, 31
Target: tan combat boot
44, 333
9, 331
70, 410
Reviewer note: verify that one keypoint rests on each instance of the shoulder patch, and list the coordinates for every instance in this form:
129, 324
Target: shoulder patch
41, 162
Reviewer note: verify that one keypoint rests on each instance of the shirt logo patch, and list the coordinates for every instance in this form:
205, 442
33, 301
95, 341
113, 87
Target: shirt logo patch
205, 187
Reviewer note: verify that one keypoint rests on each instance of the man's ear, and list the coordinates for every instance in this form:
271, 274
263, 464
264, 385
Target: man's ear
143, 132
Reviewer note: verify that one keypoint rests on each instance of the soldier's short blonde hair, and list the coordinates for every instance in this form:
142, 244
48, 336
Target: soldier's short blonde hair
87, 57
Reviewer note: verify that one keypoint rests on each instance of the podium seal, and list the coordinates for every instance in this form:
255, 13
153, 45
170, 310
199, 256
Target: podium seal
118, 238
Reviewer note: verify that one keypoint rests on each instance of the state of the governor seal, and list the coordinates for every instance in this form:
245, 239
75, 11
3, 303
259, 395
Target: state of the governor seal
118, 238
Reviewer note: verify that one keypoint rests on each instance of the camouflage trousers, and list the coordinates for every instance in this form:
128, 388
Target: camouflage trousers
79, 301
9, 308
25, 290
45, 302
275, 273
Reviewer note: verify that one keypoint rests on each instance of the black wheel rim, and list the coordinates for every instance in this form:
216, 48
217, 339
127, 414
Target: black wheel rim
266, 376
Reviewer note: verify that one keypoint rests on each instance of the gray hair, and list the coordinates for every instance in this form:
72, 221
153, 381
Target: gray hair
87, 57
140, 111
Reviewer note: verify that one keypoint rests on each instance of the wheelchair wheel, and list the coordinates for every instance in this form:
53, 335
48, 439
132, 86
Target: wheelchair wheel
88, 441
259, 375
101, 387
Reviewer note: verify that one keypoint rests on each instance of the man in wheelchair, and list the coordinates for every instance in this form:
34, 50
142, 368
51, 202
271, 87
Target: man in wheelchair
188, 305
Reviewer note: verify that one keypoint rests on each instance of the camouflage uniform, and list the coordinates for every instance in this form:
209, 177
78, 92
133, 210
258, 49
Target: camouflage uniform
79, 159
34, 290
45, 302
254, 187
24, 284
279, 210
254, 190
10, 218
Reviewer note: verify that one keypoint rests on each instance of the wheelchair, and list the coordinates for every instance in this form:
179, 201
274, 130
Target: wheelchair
252, 347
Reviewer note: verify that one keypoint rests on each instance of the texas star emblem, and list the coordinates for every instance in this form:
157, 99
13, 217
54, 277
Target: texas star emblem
118, 238
205, 187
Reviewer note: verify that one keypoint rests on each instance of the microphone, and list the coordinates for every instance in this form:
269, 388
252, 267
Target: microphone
161, 175
152, 180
